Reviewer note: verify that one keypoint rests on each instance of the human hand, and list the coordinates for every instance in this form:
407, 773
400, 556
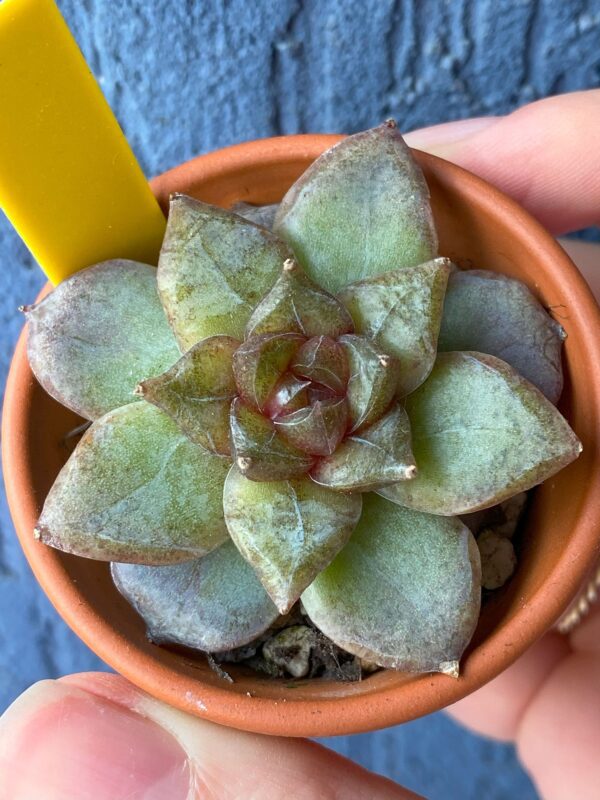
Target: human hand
96, 737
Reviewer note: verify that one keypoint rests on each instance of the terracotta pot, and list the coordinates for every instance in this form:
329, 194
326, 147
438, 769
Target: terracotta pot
478, 226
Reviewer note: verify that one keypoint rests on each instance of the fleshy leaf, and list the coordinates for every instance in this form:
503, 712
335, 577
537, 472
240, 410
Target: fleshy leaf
287, 530
481, 433
378, 456
373, 381
260, 215
360, 209
494, 314
323, 360
295, 303
213, 603
197, 392
260, 452
260, 362
401, 311
403, 593
98, 334
290, 394
137, 490
214, 268
317, 429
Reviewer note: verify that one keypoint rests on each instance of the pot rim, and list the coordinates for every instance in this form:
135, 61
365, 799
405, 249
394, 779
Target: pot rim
355, 708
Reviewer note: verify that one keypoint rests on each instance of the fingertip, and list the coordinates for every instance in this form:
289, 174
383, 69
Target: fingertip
496, 710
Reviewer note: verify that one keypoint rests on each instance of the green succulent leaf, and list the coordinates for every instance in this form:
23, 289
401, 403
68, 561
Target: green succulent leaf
323, 360
481, 433
260, 452
295, 303
214, 268
260, 215
98, 334
494, 314
137, 490
287, 530
404, 592
212, 603
378, 456
362, 208
401, 311
260, 362
373, 381
316, 429
197, 392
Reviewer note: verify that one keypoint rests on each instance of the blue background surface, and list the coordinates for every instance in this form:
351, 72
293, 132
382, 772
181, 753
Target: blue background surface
188, 77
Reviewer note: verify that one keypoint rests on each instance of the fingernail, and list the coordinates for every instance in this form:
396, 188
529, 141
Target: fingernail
437, 137
65, 743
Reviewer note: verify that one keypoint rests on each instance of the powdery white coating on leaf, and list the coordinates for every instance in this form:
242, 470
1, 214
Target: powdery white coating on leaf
401, 311
360, 209
213, 603
197, 392
214, 268
373, 380
481, 433
260, 451
494, 314
260, 215
260, 362
404, 592
297, 304
137, 490
378, 456
98, 334
287, 530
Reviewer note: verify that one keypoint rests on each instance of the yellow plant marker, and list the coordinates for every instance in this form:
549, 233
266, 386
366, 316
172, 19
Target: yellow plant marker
69, 181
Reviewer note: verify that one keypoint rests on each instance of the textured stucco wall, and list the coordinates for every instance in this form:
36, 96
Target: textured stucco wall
187, 77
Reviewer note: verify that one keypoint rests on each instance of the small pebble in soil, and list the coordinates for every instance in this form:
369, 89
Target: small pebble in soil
498, 559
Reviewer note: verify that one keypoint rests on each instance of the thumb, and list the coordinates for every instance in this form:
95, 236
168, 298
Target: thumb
96, 737
543, 154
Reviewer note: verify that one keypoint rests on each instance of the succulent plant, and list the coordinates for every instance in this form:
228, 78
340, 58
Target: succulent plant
272, 419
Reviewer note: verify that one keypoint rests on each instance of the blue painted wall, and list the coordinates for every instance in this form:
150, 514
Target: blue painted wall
187, 77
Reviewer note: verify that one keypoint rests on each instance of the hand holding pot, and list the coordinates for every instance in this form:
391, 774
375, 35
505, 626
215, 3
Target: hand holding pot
96, 736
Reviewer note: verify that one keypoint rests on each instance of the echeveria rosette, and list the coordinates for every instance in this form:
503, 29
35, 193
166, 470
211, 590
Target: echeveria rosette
272, 420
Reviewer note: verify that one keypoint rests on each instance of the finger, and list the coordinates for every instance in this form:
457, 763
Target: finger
96, 737
497, 709
544, 155
560, 733
587, 257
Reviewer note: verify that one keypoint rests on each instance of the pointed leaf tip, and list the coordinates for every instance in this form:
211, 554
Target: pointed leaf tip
214, 268
197, 391
372, 383
97, 334
136, 489
481, 433
287, 530
360, 209
404, 592
296, 303
401, 312
378, 456
260, 452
